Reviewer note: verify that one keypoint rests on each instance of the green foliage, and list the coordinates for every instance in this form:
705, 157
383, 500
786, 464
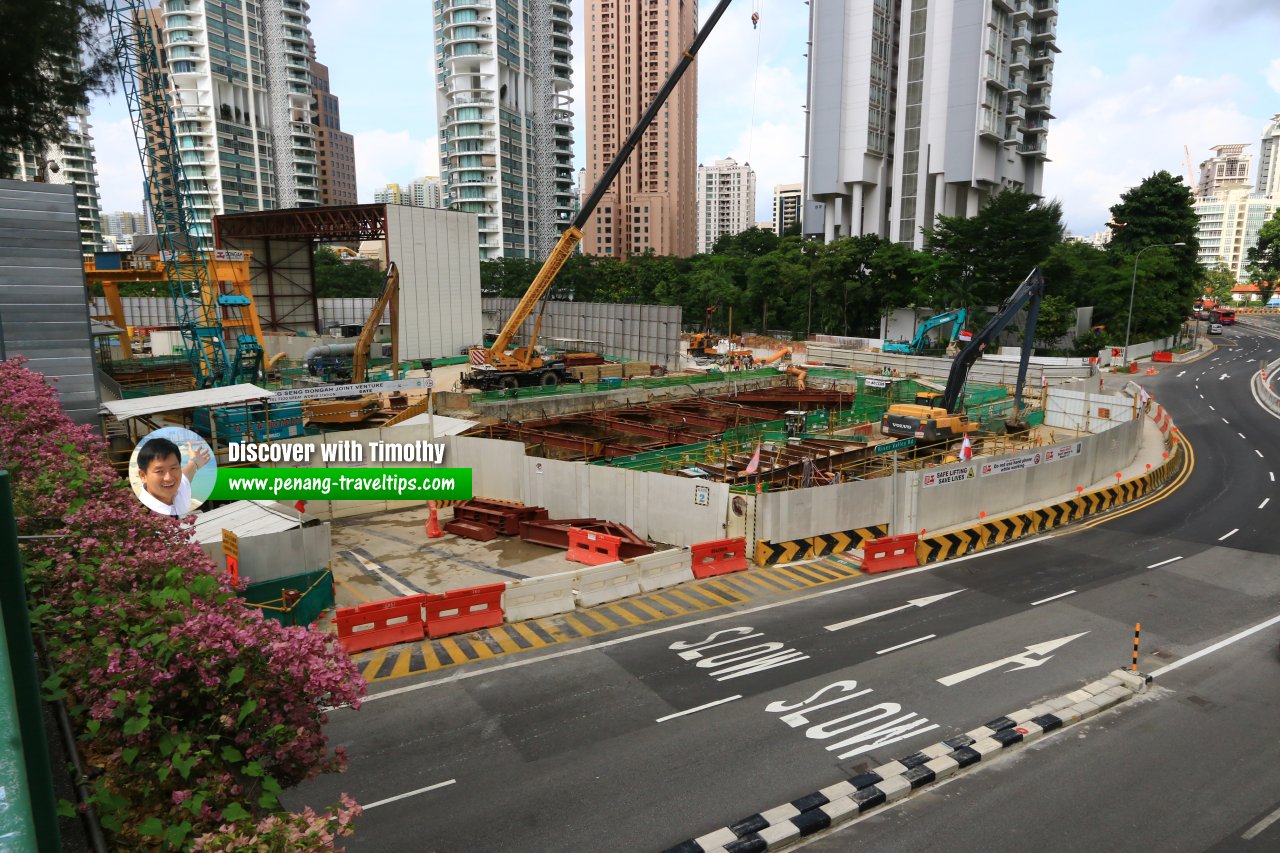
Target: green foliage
1219, 282
981, 259
338, 278
1056, 318
53, 55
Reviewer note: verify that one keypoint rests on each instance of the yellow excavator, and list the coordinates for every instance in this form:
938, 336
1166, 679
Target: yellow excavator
933, 418
525, 366
354, 411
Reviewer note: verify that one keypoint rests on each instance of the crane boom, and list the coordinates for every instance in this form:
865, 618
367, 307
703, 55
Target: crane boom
524, 357
390, 296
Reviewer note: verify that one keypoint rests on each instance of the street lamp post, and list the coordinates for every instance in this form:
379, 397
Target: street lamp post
1128, 321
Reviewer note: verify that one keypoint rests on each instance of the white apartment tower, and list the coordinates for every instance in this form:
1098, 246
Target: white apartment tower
1230, 220
502, 97
70, 162
240, 87
1268, 183
426, 192
726, 201
787, 202
923, 107
1228, 167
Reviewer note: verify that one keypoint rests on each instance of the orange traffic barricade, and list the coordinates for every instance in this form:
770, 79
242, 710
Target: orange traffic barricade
461, 610
889, 553
718, 557
591, 548
380, 623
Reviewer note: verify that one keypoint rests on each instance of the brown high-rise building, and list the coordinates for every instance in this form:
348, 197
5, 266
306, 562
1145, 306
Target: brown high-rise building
651, 206
337, 149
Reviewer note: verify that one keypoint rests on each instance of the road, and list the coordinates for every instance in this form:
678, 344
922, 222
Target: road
644, 738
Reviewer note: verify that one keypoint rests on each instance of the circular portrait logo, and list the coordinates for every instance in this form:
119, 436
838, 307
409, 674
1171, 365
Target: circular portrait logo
172, 471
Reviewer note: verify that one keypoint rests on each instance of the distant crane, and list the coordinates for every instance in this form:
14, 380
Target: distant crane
1191, 179
182, 248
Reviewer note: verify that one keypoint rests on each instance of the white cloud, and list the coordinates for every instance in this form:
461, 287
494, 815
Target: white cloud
1116, 130
392, 157
1272, 74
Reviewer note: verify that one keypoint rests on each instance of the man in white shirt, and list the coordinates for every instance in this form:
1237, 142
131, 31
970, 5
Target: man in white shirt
166, 482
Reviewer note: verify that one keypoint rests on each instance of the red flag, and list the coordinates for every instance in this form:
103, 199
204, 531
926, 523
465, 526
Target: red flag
754, 464
300, 505
966, 449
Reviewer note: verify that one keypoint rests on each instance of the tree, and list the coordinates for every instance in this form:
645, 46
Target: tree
335, 277
982, 258
53, 55
1055, 320
1219, 282
1264, 258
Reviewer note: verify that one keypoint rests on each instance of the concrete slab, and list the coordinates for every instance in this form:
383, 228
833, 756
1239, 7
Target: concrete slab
386, 554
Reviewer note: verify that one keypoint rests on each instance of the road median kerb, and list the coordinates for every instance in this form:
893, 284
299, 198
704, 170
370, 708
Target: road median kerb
779, 827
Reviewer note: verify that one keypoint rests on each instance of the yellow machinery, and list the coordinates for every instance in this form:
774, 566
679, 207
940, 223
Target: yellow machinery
356, 411
524, 366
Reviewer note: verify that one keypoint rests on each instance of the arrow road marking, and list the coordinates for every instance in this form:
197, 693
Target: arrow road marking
1224, 376
1180, 373
915, 602
1023, 658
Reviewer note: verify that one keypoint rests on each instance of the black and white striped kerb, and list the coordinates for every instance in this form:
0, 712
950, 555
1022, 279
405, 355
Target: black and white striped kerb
777, 827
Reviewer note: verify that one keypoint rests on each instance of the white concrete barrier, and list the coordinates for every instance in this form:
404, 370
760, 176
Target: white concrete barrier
608, 582
533, 598
664, 568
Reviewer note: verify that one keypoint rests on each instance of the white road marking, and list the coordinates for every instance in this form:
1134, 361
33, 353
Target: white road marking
1053, 597
1211, 408
1221, 644
461, 674
915, 602
697, 709
1264, 503
1225, 421
1201, 396
1023, 657
1273, 475
1164, 562
1224, 376
374, 805
1241, 435
1232, 533
1259, 452
1258, 827
1179, 376
907, 643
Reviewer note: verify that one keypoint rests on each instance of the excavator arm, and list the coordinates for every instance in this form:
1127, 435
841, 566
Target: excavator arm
1031, 289
390, 296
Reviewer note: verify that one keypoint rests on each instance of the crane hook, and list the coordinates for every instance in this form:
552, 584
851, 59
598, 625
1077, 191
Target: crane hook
755, 20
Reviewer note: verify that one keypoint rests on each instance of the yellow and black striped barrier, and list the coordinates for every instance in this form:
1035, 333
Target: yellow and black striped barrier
792, 550
996, 531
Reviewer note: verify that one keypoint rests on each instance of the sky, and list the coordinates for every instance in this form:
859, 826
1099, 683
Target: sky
1134, 83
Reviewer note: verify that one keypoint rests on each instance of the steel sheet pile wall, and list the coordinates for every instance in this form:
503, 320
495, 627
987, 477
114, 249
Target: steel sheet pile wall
43, 312
639, 332
438, 255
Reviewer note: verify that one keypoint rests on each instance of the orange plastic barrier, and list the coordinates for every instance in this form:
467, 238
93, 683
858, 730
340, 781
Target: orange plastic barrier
380, 623
460, 610
591, 548
889, 553
718, 557
1162, 356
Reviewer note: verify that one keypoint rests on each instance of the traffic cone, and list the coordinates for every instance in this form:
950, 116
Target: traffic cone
433, 522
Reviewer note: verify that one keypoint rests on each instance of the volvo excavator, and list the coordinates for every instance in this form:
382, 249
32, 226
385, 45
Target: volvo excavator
526, 366
939, 419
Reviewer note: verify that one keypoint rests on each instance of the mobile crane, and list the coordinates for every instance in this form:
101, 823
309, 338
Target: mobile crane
927, 422
525, 366
703, 344
917, 344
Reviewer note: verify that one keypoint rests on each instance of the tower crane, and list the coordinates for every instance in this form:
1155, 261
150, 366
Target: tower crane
182, 249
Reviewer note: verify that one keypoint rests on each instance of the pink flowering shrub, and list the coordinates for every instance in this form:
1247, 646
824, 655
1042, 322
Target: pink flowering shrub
193, 711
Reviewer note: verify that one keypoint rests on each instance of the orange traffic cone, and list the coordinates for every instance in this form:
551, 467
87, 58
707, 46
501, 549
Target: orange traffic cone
433, 523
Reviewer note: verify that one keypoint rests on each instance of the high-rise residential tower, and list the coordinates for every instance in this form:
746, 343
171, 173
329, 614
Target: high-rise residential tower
337, 149
923, 107
70, 162
1229, 166
1268, 182
506, 132
651, 205
242, 97
787, 201
726, 201
426, 191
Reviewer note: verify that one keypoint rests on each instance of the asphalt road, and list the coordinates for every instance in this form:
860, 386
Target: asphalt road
640, 740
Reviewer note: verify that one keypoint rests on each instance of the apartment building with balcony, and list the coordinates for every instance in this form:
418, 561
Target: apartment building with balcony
73, 162
1230, 220
630, 51
1229, 166
240, 83
918, 108
506, 130
788, 199
726, 201
427, 191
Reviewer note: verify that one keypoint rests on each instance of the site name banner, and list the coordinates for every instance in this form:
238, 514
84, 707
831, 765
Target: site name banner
343, 484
